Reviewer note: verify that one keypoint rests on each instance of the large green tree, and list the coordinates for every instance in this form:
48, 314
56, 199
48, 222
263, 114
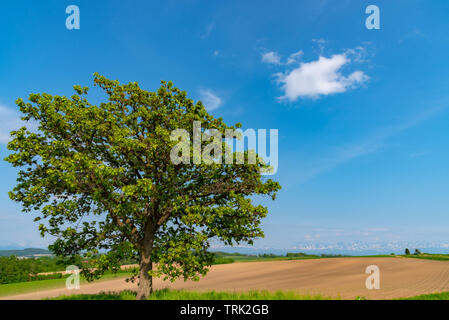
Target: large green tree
101, 180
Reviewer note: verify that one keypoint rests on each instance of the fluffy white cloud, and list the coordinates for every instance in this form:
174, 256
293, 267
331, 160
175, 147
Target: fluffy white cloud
271, 57
210, 100
317, 78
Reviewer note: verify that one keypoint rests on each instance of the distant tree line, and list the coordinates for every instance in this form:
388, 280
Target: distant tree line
220, 254
13, 269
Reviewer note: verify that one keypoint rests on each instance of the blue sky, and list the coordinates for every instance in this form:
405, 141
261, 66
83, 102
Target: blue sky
362, 114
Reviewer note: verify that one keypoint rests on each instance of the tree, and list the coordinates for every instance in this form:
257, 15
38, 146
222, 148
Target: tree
407, 251
102, 181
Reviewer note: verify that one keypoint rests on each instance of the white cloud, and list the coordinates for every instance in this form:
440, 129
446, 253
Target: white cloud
275, 58
9, 121
210, 100
294, 57
318, 78
271, 57
320, 43
357, 54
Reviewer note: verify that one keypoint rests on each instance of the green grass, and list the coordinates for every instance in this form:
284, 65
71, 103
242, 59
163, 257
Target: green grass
255, 258
11, 289
249, 258
223, 260
124, 295
167, 294
432, 296
429, 256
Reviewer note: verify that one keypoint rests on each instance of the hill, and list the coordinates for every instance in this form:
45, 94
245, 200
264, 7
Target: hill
28, 252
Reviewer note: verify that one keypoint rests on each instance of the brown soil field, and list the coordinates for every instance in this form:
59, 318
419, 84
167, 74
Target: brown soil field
342, 278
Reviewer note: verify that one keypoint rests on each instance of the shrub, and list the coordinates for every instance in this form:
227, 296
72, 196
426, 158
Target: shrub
223, 261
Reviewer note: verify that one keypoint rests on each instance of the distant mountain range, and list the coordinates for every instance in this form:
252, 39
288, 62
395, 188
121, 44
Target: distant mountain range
345, 248
27, 252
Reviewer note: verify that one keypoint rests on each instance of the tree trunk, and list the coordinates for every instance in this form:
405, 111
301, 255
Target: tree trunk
145, 287
145, 281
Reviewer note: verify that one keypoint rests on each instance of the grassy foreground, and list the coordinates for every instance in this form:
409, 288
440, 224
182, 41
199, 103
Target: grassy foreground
432, 296
12, 289
167, 294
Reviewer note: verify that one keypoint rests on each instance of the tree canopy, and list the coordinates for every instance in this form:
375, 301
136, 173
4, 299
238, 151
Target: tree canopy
100, 179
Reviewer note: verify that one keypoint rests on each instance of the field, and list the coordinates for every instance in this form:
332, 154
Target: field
12, 289
342, 278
